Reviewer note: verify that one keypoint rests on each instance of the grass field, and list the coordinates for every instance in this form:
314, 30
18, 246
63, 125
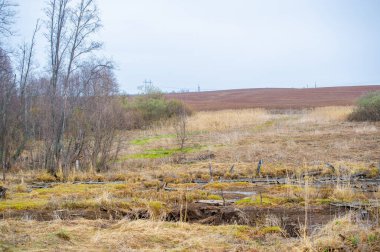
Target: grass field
158, 197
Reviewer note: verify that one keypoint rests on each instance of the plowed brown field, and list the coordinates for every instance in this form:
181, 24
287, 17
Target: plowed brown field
274, 98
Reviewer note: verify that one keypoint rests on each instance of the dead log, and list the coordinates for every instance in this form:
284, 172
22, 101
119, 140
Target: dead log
215, 202
41, 185
182, 159
361, 175
98, 183
311, 173
350, 205
249, 180
171, 189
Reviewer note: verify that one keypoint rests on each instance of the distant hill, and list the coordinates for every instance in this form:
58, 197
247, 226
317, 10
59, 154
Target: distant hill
273, 98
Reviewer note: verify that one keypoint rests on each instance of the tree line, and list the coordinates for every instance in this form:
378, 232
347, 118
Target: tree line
71, 114
68, 113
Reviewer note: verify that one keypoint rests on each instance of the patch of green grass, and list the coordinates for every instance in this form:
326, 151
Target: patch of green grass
354, 241
156, 209
64, 189
63, 234
23, 204
264, 126
244, 233
70, 196
264, 201
372, 238
225, 186
214, 197
160, 153
155, 153
273, 229
147, 140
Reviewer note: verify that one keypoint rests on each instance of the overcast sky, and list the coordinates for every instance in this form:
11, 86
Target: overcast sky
227, 44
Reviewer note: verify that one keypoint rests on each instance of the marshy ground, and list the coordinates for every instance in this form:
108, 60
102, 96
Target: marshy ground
317, 189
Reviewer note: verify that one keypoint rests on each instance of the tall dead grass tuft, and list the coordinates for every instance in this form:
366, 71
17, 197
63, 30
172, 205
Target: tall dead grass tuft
157, 210
346, 193
344, 234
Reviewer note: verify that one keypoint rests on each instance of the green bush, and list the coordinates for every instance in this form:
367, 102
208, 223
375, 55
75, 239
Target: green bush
176, 107
145, 109
368, 108
152, 108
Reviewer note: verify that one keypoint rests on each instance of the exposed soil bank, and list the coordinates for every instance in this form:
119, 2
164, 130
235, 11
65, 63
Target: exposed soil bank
290, 219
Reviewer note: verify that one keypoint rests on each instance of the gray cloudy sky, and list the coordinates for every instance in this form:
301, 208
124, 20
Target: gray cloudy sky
225, 44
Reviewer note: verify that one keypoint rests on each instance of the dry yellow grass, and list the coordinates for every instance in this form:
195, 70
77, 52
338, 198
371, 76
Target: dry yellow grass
342, 234
98, 235
289, 143
227, 119
328, 114
238, 119
347, 233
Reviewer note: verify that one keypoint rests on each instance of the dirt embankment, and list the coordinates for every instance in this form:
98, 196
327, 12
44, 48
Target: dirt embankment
288, 218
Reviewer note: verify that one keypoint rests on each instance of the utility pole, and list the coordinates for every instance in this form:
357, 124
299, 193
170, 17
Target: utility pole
199, 89
146, 82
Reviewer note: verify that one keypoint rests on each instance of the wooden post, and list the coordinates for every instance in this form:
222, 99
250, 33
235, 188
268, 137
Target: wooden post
222, 194
211, 175
232, 169
258, 171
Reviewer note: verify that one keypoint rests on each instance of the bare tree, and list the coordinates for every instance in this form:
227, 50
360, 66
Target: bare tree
24, 73
13, 100
7, 14
57, 13
180, 126
85, 22
94, 118
106, 116
8, 89
70, 30
74, 110
8, 103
